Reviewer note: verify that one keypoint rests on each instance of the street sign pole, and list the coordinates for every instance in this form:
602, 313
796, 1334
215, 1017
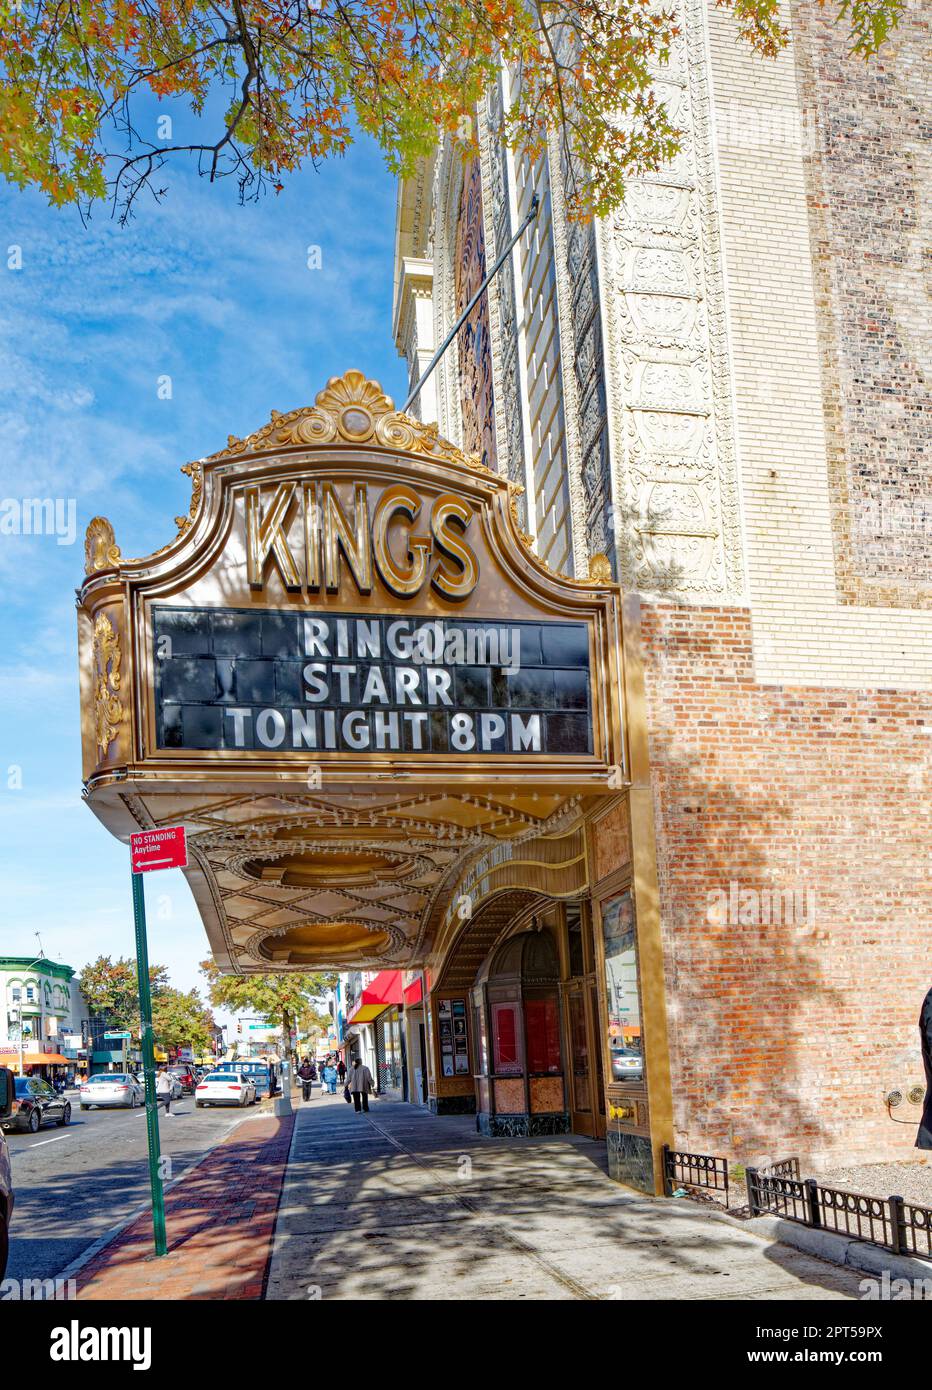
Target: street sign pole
148, 1063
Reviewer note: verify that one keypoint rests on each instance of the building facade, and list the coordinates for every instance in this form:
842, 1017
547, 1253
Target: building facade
582, 723
43, 1016
722, 388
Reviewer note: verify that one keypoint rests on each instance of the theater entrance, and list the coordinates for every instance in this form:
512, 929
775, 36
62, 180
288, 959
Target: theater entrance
527, 1021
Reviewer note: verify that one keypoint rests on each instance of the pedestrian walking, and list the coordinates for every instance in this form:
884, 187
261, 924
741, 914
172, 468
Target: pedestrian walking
341, 1071
308, 1075
163, 1090
360, 1084
924, 1137
330, 1077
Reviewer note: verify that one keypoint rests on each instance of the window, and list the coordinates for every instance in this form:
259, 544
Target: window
482, 1041
543, 1035
622, 989
574, 930
17, 994
506, 1053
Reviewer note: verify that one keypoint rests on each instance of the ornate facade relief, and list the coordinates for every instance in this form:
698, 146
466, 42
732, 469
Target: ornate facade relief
503, 302
584, 387
474, 341
677, 522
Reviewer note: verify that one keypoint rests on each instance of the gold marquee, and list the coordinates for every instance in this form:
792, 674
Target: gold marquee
342, 834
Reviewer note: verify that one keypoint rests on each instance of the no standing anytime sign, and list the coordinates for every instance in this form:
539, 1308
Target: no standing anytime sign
158, 849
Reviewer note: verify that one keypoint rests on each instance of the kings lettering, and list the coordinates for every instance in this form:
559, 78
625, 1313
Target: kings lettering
307, 532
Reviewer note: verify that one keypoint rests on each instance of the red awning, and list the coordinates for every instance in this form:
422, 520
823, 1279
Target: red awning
414, 992
384, 991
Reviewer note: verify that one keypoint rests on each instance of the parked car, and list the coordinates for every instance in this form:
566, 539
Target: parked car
35, 1104
185, 1074
225, 1088
7, 1097
627, 1065
112, 1088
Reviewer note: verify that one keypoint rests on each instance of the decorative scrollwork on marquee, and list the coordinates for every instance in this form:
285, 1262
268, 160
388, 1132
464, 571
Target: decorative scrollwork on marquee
101, 551
184, 523
108, 707
353, 410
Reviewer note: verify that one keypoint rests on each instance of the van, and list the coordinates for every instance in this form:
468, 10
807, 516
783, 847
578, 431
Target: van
258, 1072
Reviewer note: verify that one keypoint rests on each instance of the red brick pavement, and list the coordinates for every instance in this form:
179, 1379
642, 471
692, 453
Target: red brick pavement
220, 1220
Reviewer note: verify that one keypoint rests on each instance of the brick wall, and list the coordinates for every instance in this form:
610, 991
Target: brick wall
869, 186
785, 1038
807, 630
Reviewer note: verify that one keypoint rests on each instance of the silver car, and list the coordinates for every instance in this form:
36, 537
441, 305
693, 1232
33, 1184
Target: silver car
113, 1088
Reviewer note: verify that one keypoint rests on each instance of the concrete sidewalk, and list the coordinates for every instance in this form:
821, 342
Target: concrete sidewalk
400, 1204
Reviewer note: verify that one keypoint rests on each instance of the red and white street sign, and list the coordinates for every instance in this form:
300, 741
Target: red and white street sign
158, 849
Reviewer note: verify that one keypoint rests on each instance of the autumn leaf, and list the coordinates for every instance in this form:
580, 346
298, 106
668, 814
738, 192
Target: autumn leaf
296, 78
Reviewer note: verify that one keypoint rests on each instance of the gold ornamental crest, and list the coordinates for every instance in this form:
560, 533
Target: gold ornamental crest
352, 409
108, 707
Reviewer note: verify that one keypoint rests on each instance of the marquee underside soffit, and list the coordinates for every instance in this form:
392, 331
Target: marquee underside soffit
301, 881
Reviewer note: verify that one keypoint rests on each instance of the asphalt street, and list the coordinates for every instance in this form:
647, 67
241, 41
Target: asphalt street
72, 1185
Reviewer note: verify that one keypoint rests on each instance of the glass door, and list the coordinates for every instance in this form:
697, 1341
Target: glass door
587, 1095
580, 1059
599, 1077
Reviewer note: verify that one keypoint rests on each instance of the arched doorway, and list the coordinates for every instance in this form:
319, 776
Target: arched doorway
518, 996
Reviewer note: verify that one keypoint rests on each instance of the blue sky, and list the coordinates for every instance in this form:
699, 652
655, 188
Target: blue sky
219, 298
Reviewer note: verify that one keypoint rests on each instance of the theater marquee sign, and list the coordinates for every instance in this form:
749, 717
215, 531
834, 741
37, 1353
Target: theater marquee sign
347, 674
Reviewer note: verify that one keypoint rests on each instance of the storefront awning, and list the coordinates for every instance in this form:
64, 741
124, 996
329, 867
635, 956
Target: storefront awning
384, 991
414, 992
41, 1059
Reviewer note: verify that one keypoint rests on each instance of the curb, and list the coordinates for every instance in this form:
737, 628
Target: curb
77, 1264
275, 1253
832, 1247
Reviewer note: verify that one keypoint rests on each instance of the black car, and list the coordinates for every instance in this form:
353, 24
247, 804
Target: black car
37, 1104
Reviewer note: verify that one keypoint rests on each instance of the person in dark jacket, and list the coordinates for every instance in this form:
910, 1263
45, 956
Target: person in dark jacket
360, 1084
308, 1075
341, 1071
924, 1137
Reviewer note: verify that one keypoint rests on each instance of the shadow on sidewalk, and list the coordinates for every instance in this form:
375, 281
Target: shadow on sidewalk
400, 1204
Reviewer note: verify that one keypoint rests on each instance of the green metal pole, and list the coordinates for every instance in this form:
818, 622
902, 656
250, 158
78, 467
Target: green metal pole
148, 1064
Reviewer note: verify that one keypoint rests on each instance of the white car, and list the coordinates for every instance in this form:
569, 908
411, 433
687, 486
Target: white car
112, 1088
225, 1088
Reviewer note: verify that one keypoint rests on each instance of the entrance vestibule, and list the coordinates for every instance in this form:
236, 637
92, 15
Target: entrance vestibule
538, 1057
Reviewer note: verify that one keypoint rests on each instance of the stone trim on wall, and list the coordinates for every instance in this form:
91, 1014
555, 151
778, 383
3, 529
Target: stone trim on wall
669, 396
